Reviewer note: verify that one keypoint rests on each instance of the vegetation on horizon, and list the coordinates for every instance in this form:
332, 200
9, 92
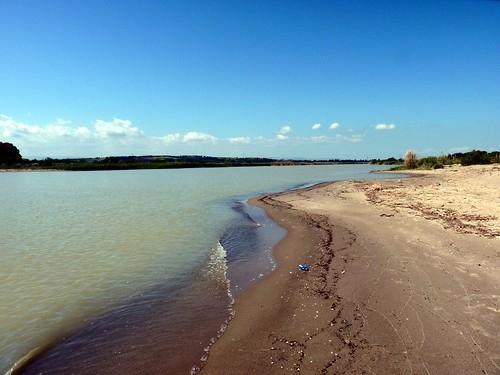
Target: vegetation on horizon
148, 162
11, 158
388, 161
474, 157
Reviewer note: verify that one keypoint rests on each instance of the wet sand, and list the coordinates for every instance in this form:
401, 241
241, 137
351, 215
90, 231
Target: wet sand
404, 280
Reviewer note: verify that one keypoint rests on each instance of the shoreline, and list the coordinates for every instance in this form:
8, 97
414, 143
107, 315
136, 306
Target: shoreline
20, 170
385, 276
27, 363
349, 313
252, 306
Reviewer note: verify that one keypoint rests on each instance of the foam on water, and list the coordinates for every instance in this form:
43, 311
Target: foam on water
217, 269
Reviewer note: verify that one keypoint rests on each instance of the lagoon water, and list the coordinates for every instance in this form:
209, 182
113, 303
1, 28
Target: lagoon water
132, 271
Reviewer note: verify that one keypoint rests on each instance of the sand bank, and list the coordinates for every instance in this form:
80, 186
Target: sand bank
404, 280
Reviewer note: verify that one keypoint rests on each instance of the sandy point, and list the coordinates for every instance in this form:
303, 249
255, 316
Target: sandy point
403, 280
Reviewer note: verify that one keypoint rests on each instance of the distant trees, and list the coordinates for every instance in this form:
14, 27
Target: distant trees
9, 154
476, 157
388, 161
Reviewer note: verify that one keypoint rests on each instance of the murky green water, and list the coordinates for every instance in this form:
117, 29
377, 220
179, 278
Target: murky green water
77, 245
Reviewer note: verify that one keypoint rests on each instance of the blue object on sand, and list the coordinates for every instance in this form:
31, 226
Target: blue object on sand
303, 267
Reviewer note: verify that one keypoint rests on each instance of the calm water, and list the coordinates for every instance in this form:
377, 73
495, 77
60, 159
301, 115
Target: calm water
132, 270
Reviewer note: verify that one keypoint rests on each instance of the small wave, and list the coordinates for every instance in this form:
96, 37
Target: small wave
240, 207
217, 269
24, 361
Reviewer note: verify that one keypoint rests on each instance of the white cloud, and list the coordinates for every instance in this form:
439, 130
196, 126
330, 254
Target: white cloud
262, 140
116, 128
62, 138
198, 137
114, 137
60, 130
83, 132
385, 126
316, 126
320, 139
352, 138
284, 132
12, 129
239, 140
334, 126
170, 138
194, 136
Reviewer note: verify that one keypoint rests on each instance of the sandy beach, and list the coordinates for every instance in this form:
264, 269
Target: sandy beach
403, 280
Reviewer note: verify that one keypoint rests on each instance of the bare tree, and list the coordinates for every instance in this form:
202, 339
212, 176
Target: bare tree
410, 159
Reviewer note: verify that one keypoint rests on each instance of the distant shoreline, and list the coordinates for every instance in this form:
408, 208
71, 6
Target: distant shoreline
19, 170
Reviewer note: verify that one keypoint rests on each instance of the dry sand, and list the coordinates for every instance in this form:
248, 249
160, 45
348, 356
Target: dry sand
404, 279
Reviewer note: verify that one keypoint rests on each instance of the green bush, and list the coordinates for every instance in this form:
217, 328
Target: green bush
397, 168
435, 162
495, 157
445, 160
427, 163
475, 157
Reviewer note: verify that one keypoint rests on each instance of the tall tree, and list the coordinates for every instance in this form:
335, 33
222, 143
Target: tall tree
9, 154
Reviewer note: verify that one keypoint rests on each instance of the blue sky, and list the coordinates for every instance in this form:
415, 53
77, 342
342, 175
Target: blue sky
95, 78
